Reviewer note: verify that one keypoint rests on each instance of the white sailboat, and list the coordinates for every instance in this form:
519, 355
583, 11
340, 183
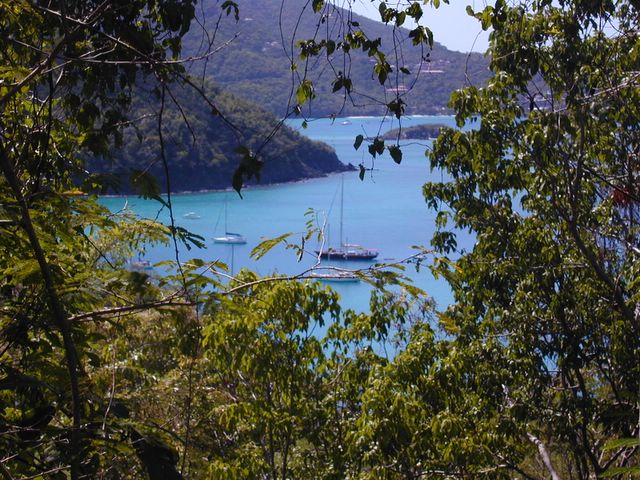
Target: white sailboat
231, 238
346, 251
191, 216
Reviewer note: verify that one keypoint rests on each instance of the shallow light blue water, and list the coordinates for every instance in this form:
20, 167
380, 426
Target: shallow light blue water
386, 211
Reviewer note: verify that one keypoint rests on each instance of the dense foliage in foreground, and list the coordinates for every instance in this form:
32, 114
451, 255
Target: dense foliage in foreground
532, 373
548, 181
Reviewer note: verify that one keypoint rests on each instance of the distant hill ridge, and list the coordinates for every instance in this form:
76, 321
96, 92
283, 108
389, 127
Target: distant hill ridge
255, 66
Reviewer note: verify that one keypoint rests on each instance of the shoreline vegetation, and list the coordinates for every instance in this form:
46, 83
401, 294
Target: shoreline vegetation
209, 160
252, 186
416, 132
293, 157
297, 143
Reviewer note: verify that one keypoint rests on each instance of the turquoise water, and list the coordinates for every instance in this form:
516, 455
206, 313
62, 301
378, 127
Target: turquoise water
385, 211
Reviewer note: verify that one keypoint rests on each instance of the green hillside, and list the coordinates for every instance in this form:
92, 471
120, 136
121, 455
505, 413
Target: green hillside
263, 74
201, 147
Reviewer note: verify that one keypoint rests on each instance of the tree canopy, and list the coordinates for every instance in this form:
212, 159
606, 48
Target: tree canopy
74, 376
547, 178
66, 79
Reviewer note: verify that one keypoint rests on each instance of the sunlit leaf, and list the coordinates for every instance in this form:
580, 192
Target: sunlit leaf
265, 246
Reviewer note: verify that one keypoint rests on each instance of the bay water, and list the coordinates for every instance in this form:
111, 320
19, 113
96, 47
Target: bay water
385, 211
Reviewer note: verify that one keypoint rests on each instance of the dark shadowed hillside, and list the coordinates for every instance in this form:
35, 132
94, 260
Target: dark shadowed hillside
201, 147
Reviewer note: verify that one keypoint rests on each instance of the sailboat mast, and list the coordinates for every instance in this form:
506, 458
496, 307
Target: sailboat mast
233, 247
226, 228
341, 210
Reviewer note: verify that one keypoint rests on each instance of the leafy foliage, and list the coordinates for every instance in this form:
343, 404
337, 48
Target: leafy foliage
110, 372
553, 274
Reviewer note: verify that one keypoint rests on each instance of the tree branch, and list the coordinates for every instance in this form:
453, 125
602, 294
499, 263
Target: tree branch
544, 454
130, 309
57, 309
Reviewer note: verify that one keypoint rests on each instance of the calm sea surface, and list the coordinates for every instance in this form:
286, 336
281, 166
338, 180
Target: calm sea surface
386, 211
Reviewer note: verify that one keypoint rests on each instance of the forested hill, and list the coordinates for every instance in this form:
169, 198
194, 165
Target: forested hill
251, 68
254, 64
201, 147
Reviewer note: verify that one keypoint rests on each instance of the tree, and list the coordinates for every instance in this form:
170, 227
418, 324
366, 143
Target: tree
289, 372
67, 76
545, 174
108, 372
73, 387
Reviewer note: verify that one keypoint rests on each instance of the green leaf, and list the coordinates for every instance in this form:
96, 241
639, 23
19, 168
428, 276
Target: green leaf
382, 70
358, 141
429, 37
396, 107
304, 93
396, 153
317, 5
188, 238
250, 167
265, 246
243, 150
617, 471
146, 185
621, 443
415, 11
331, 47
228, 6
377, 147
237, 181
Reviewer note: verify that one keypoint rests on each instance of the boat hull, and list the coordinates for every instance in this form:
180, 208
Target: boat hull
347, 254
230, 238
342, 277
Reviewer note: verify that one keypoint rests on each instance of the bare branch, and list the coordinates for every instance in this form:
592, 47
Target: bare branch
544, 454
113, 311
